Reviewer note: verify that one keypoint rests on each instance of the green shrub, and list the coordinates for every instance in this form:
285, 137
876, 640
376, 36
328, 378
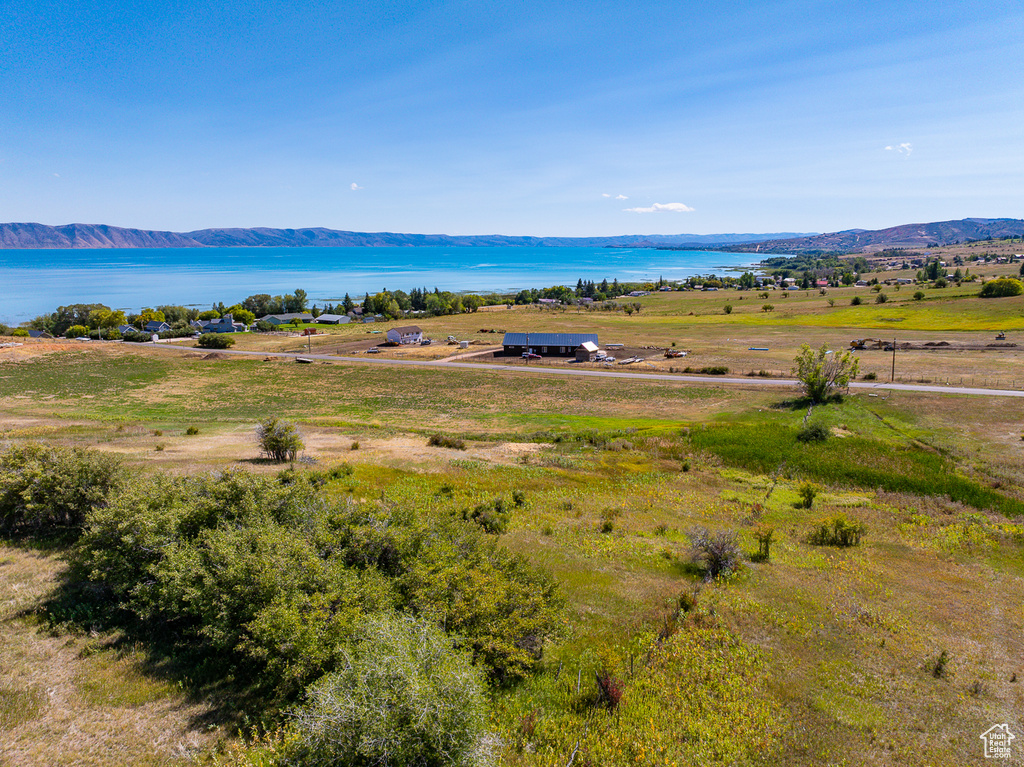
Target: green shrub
493, 517
44, 489
814, 432
919, 295
838, 531
404, 696
808, 492
441, 440
278, 440
215, 341
19, 333
767, 307
940, 283
1001, 288
872, 376
881, 298
764, 537
76, 331
728, 309
716, 553
136, 337
264, 327
191, 431
856, 301
711, 370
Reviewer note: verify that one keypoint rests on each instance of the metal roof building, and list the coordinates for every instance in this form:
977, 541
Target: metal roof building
546, 343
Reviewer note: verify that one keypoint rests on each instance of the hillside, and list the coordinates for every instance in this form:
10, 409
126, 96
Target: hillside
17, 236
88, 236
904, 236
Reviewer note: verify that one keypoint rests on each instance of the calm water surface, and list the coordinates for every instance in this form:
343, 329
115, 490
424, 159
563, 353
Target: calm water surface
34, 282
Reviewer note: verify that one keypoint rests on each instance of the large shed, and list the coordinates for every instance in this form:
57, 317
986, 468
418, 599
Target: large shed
586, 352
546, 344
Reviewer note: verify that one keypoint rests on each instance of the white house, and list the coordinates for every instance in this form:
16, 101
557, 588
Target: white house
409, 334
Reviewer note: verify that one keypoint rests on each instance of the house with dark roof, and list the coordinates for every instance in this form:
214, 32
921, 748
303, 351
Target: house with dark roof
546, 344
154, 326
225, 324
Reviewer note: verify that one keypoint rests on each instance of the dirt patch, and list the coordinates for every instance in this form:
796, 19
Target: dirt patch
216, 356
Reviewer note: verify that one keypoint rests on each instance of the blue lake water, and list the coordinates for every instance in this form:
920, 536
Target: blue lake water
34, 282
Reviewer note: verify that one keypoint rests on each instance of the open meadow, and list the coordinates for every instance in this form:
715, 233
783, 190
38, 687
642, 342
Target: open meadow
868, 610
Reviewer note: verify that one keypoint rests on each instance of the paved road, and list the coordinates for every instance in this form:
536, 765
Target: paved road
542, 370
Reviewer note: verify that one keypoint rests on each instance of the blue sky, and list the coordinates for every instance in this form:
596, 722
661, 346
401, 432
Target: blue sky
594, 118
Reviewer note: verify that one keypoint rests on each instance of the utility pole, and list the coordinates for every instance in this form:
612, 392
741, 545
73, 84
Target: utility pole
892, 379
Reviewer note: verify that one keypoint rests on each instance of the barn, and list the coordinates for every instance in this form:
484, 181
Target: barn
546, 344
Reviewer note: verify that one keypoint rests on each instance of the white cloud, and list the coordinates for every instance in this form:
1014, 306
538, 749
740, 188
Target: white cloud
354, 187
56, 175
606, 195
658, 207
621, 197
905, 148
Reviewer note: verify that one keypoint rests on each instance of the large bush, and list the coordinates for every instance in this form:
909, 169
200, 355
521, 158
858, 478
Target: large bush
44, 489
279, 441
716, 553
266, 579
1001, 288
215, 341
404, 696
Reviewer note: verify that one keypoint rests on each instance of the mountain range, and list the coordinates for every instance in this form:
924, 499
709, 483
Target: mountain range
14, 236
904, 236
103, 236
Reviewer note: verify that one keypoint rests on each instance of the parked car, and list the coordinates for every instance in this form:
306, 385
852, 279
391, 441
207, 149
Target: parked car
530, 356
373, 350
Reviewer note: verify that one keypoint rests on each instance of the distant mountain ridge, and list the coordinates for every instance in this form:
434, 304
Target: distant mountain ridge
18, 236
904, 236
88, 236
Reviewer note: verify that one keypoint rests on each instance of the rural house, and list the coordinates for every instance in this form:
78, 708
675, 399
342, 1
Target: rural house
409, 334
546, 344
225, 324
153, 326
287, 319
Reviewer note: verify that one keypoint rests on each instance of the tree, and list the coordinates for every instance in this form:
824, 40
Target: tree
242, 315
1002, 287
258, 304
822, 372
280, 441
77, 331
150, 315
